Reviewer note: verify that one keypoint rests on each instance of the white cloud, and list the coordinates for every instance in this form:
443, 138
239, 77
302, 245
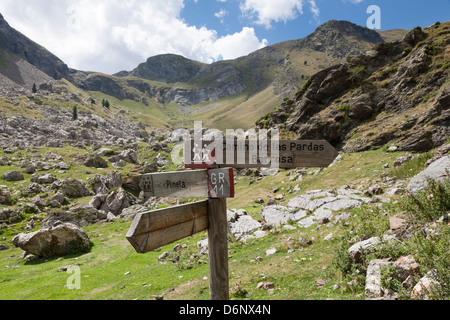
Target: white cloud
114, 35
238, 44
221, 14
268, 11
314, 9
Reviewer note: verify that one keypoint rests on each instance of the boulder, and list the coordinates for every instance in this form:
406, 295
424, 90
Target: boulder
95, 161
103, 184
438, 171
59, 197
44, 178
117, 201
98, 200
406, 267
128, 214
71, 188
361, 247
245, 224
13, 176
58, 240
5, 196
423, 288
279, 215
127, 156
373, 289
32, 189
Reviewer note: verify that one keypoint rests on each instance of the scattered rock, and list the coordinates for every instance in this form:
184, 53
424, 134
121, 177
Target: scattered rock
356, 250
44, 178
71, 188
437, 171
423, 288
5, 196
406, 267
13, 176
95, 161
265, 286
374, 288
58, 240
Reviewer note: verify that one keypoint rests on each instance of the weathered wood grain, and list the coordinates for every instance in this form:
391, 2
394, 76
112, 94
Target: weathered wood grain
218, 250
155, 229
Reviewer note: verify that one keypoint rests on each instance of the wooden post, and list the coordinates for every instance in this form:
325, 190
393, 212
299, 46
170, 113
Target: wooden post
218, 250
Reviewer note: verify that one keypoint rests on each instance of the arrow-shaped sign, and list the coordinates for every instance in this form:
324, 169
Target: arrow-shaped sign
155, 229
283, 154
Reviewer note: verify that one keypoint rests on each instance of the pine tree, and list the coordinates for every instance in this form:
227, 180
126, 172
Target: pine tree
34, 89
107, 104
74, 113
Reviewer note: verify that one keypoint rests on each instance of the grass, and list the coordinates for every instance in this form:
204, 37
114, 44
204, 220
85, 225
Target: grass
410, 168
112, 270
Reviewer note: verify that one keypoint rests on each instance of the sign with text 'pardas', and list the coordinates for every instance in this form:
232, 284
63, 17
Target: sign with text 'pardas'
283, 154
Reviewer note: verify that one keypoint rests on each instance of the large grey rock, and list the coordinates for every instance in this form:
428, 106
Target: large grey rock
71, 188
244, 225
5, 196
103, 184
437, 171
95, 161
117, 201
13, 176
279, 215
57, 240
44, 178
128, 214
361, 247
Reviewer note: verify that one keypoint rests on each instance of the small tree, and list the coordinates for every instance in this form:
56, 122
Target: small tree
74, 113
107, 104
34, 89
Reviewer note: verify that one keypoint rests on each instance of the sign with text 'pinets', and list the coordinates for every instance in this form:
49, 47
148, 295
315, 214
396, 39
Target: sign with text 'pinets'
239, 154
213, 183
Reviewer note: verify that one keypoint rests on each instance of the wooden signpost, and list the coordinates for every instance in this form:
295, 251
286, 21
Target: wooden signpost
289, 154
214, 180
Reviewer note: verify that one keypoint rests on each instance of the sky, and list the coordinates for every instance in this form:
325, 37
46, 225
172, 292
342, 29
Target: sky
113, 35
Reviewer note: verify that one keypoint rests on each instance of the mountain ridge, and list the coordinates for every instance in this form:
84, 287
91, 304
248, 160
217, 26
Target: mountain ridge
396, 93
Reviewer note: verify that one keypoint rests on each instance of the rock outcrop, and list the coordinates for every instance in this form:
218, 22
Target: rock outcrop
21, 46
396, 93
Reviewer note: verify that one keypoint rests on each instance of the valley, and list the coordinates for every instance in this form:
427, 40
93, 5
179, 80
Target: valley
381, 98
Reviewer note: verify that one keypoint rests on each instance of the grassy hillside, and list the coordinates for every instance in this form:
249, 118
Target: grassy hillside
112, 269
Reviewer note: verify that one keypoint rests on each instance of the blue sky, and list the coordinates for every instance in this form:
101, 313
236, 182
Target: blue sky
113, 35
395, 14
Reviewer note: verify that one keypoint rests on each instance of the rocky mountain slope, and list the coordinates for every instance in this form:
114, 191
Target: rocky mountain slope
192, 90
396, 93
282, 67
16, 43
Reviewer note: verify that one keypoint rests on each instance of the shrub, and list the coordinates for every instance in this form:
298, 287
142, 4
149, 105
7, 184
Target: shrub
357, 73
411, 168
304, 88
431, 203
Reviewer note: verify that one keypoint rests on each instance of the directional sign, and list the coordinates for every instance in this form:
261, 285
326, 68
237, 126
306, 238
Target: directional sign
218, 183
284, 154
221, 183
155, 229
